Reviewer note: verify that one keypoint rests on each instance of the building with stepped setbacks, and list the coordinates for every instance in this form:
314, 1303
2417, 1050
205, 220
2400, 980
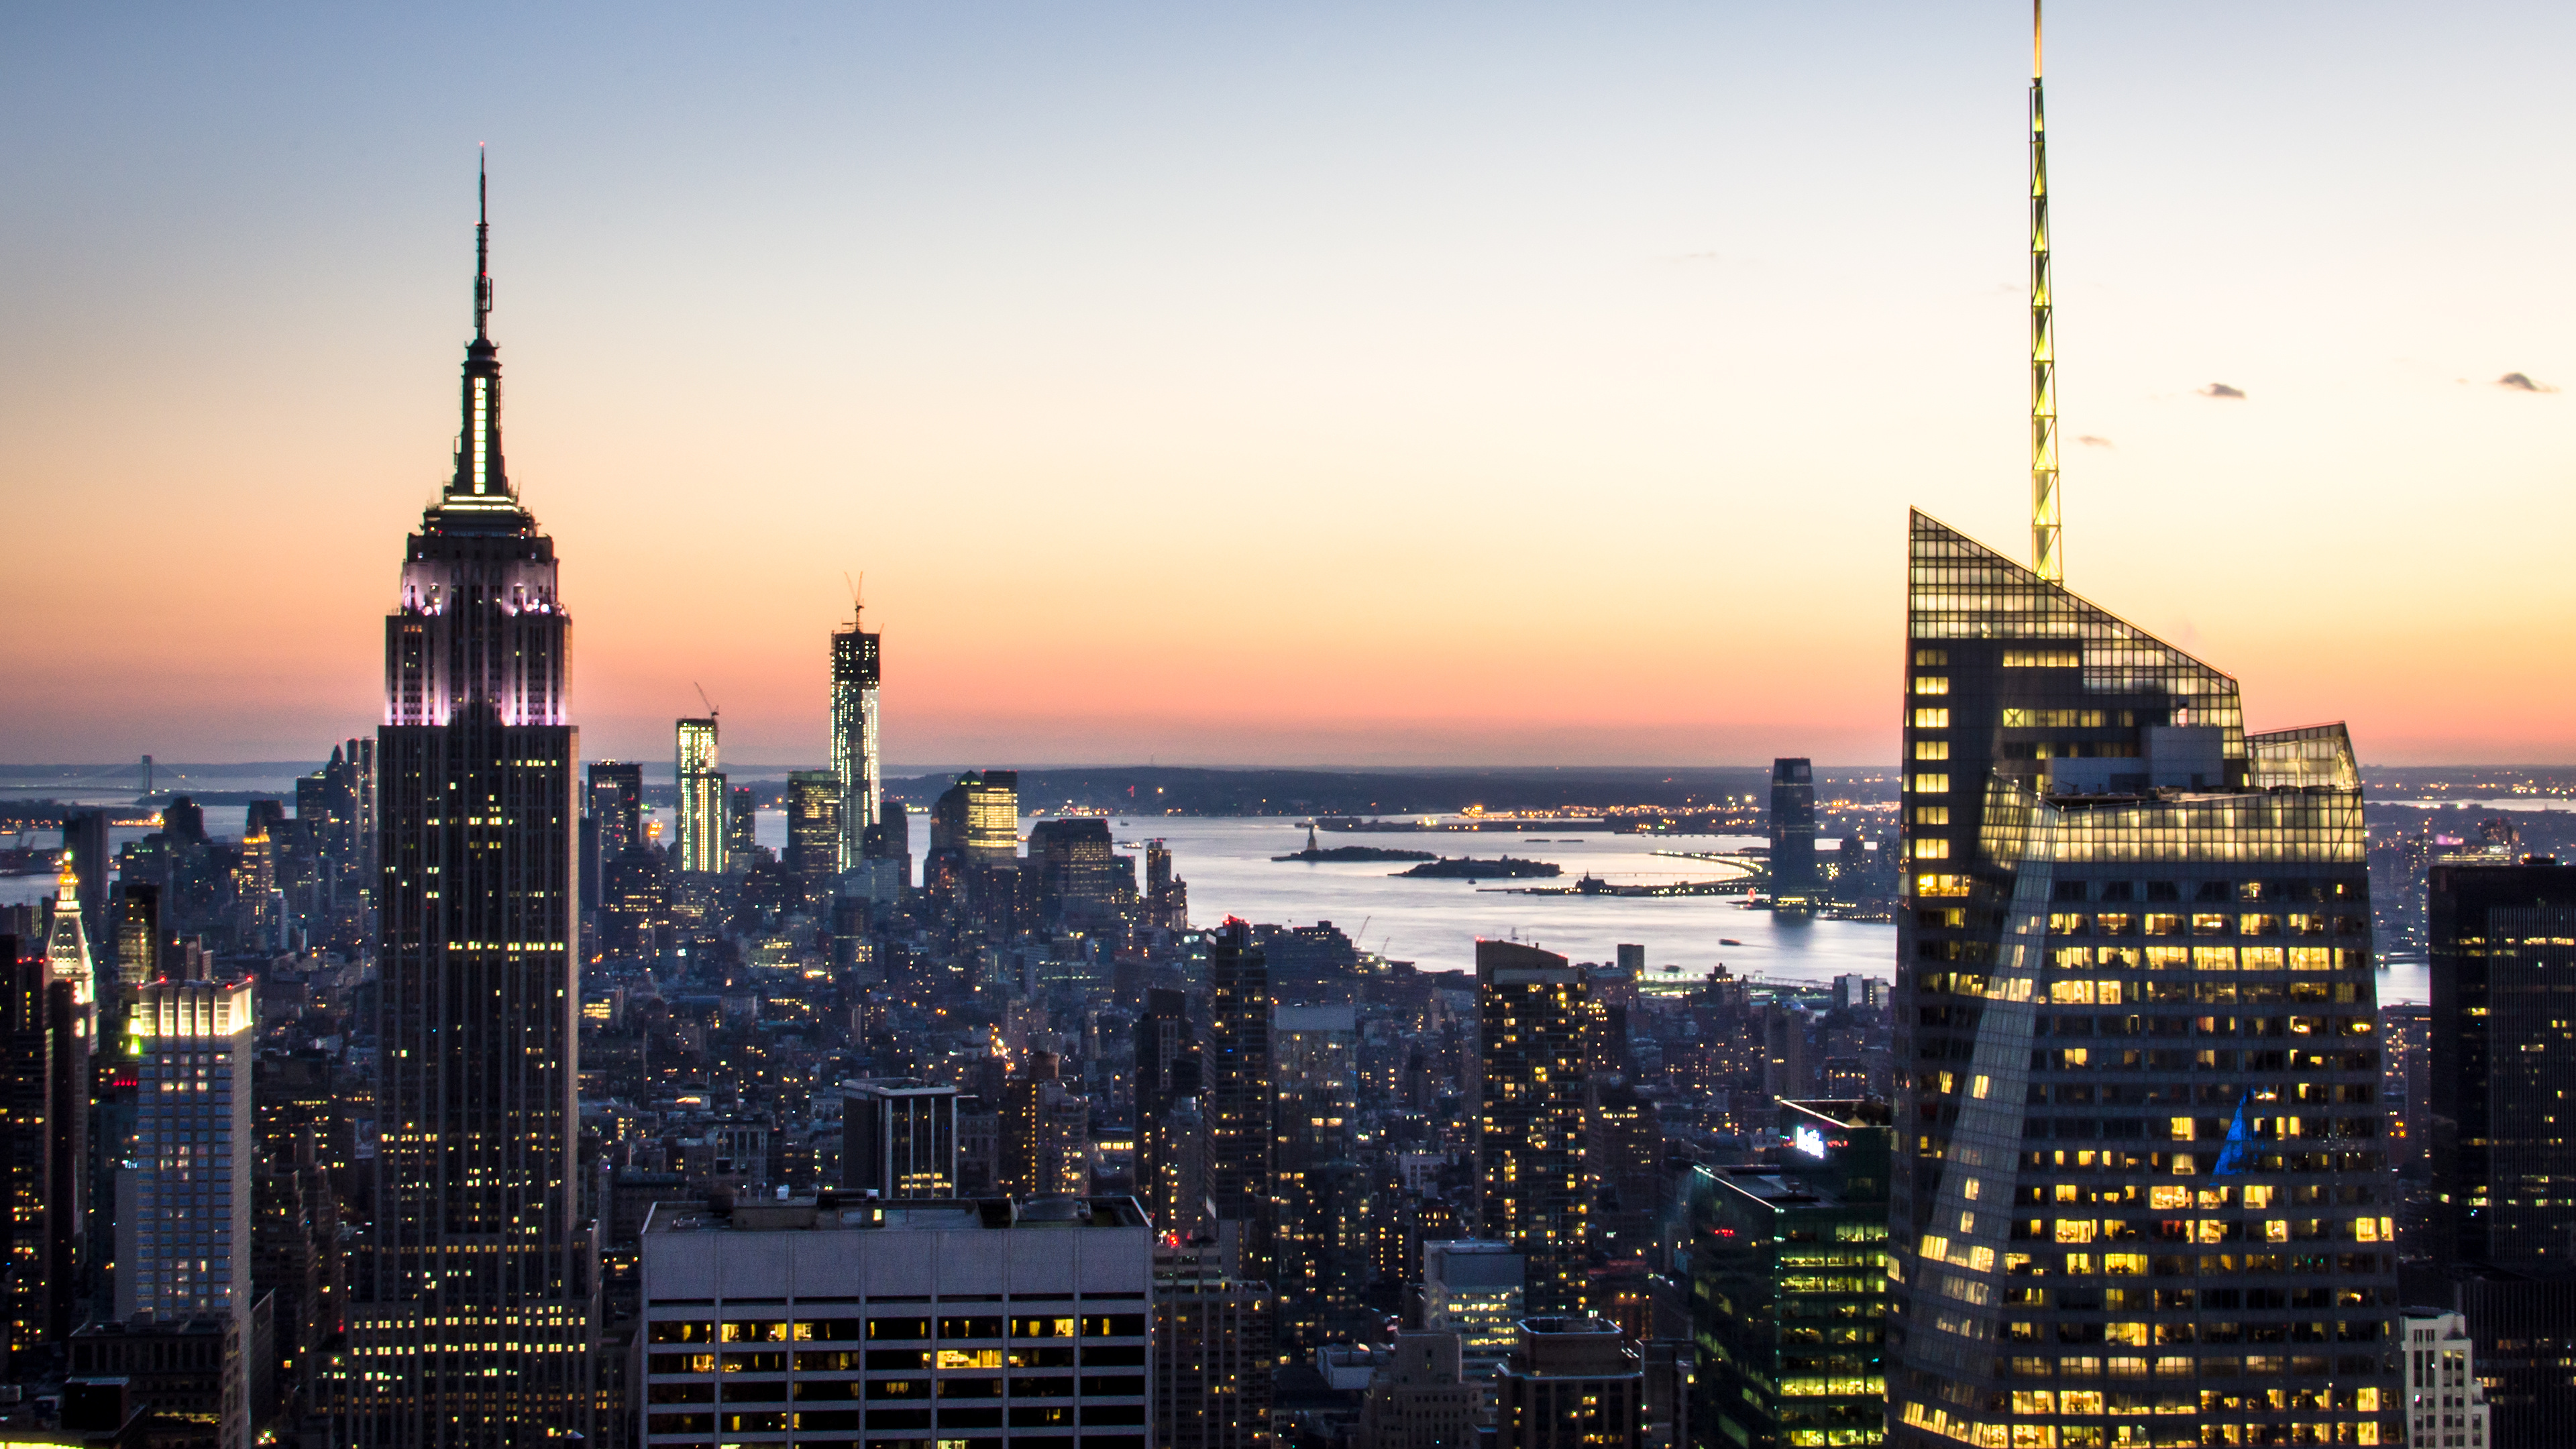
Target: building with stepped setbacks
472, 1292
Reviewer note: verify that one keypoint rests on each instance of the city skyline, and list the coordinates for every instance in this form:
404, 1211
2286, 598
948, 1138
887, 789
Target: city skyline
1358, 385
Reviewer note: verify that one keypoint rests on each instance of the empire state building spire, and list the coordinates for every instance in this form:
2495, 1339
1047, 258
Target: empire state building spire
481, 481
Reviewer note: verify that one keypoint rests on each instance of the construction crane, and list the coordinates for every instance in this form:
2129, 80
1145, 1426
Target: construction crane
712, 711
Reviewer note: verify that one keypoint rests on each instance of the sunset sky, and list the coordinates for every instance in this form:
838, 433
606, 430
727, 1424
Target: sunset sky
1316, 384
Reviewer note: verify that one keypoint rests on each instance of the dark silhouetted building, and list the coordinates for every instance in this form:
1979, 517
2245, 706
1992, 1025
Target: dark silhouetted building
1793, 830
1212, 1354
471, 1315
1076, 870
28, 1201
1532, 1006
1572, 1383
617, 803
2502, 1037
1236, 1070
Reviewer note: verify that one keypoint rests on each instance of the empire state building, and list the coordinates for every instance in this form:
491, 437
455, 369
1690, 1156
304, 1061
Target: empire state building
472, 1298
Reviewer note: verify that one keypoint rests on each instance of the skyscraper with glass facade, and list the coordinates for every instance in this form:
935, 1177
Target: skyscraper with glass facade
855, 673
700, 840
184, 1249
1793, 830
470, 1313
2139, 1196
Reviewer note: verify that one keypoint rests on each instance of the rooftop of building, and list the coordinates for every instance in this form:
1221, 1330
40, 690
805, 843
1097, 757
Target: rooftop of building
830, 1212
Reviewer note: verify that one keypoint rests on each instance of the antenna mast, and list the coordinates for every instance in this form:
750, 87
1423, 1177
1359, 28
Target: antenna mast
2047, 544
482, 246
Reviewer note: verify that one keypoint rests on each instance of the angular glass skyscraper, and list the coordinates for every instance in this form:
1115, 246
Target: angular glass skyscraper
855, 668
2139, 1197
470, 1320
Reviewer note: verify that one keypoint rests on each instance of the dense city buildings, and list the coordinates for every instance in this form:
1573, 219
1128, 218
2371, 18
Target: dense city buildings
973, 1320
2139, 1168
471, 1318
1788, 1297
857, 670
1532, 1007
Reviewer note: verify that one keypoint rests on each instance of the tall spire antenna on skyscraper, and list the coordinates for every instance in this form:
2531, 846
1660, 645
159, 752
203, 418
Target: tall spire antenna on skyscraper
2047, 541
482, 244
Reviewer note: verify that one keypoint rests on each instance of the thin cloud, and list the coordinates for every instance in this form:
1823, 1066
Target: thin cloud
2521, 382
2090, 441
2220, 389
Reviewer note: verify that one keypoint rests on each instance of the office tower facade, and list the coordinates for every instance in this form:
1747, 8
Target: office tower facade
2446, 1405
1236, 1068
1075, 865
1167, 1073
1789, 1292
470, 1321
961, 1321
814, 841
93, 865
1473, 1288
1313, 1074
742, 828
1793, 830
857, 665
1167, 896
184, 1251
889, 841
2139, 1168
698, 842
1045, 1131
1212, 1358
1532, 1006
2504, 1172
134, 921
1419, 1398
979, 817
899, 1139
617, 803
26, 1154
2499, 1159
1571, 1383
71, 1012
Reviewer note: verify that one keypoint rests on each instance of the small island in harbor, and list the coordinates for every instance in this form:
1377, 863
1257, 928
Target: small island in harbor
1317, 851
1355, 852
1469, 868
